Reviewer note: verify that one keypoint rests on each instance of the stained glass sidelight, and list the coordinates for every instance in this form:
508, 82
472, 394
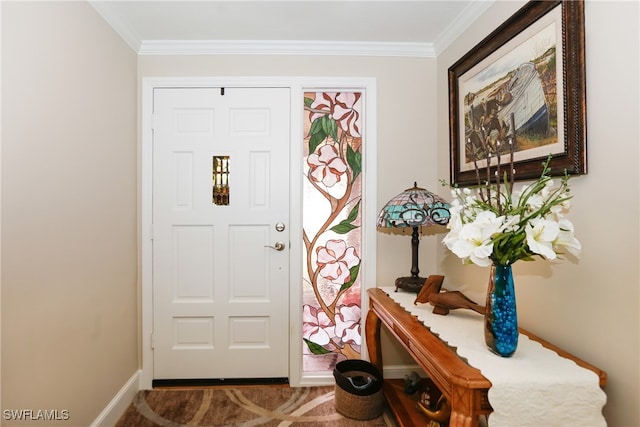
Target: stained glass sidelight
332, 193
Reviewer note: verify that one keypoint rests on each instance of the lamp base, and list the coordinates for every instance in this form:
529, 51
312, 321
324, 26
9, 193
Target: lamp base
413, 284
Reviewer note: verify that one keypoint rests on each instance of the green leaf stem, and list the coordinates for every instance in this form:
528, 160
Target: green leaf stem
354, 159
353, 271
315, 348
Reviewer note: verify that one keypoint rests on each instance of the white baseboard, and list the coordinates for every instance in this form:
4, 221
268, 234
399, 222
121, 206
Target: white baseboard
389, 372
120, 402
315, 379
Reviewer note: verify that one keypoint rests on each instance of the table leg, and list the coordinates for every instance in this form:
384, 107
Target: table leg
372, 334
459, 419
462, 408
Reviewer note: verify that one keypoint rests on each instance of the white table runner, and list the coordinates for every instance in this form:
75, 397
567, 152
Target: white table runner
534, 387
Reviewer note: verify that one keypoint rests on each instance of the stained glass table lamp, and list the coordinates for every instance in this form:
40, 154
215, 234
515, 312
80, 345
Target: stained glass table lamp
415, 207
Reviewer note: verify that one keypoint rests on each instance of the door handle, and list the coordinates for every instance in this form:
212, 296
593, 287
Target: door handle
279, 246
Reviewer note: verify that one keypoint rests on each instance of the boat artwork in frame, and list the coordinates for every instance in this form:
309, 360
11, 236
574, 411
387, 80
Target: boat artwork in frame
528, 74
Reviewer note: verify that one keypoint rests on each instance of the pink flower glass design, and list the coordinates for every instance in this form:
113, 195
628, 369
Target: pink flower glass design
326, 166
345, 113
322, 105
317, 326
335, 259
348, 324
342, 107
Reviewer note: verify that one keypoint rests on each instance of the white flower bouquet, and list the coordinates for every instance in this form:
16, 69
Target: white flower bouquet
493, 223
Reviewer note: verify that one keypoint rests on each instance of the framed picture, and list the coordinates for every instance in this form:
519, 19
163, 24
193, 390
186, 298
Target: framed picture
519, 96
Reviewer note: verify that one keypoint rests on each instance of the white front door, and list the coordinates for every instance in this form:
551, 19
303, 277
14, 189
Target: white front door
220, 275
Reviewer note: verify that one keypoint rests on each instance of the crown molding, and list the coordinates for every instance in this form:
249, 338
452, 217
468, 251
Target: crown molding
295, 47
459, 25
123, 30
283, 47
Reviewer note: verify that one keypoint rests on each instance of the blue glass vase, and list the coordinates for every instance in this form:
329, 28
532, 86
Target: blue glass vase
501, 317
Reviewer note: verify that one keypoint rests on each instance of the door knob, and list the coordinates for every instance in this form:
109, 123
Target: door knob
279, 246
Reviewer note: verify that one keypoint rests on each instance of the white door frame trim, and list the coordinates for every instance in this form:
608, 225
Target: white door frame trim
297, 86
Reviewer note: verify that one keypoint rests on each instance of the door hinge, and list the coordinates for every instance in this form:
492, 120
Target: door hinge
151, 232
152, 341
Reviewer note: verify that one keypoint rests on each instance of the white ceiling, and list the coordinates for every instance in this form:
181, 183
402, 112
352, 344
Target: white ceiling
417, 27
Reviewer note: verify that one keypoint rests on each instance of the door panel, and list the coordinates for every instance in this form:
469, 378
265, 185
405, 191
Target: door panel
220, 290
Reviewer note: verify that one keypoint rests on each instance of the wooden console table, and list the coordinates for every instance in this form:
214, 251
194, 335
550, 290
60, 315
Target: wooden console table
464, 387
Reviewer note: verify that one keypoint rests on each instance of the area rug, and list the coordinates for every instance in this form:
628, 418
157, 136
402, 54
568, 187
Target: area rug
271, 406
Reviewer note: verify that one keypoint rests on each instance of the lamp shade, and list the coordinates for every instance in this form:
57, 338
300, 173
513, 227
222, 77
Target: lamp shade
414, 207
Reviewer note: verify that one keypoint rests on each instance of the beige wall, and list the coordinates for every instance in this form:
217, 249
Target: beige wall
591, 307
69, 305
69, 311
